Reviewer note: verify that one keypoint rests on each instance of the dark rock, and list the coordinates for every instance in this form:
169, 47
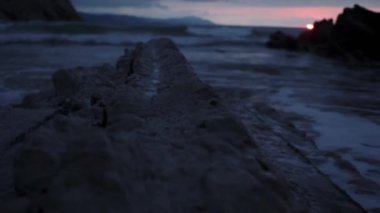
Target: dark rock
26, 10
36, 165
319, 40
282, 41
125, 63
357, 30
66, 83
151, 157
354, 36
320, 34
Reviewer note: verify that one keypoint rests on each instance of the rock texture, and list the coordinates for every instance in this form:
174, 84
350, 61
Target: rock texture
354, 36
282, 41
146, 136
25, 10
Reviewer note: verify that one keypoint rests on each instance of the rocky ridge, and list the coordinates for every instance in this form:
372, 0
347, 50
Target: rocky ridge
144, 136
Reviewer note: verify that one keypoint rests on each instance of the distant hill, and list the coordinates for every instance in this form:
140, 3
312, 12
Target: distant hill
189, 20
127, 20
48, 10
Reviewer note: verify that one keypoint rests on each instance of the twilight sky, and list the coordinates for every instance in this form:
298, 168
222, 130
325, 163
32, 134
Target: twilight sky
234, 12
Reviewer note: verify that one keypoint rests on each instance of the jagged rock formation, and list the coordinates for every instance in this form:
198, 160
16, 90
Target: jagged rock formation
321, 34
354, 36
146, 136
357, 30
282, 41
49, 10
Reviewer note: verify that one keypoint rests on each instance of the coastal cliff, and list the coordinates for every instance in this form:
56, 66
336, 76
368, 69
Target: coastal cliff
48, 10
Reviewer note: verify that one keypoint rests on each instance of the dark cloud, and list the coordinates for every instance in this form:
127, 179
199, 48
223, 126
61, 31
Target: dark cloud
265, 3
295, 3
116, 3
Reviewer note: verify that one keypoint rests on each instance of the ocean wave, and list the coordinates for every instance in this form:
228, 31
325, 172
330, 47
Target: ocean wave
111, 39
74, 28
220, 31
57, 42
217, 43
